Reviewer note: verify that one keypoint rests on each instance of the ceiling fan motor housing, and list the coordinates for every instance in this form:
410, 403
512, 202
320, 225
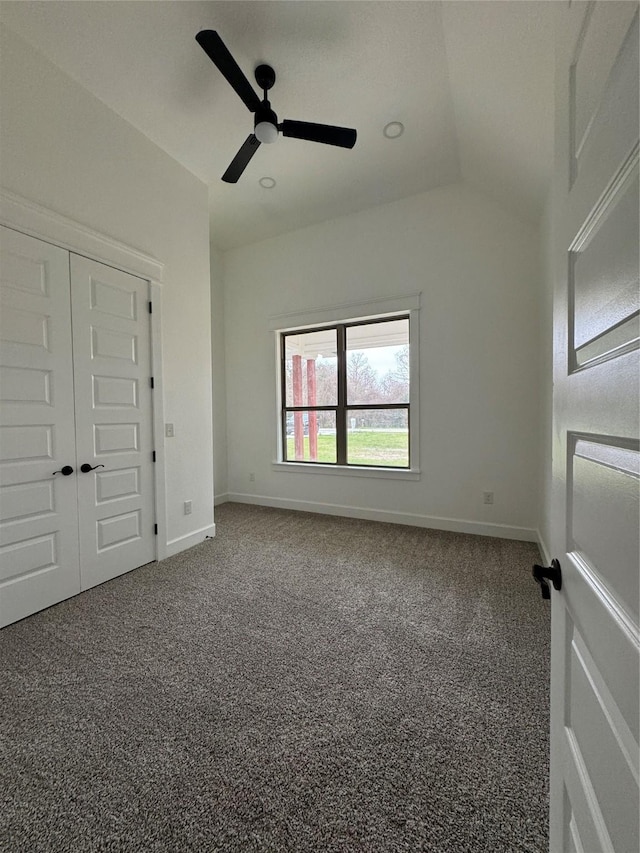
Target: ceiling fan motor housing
266, 123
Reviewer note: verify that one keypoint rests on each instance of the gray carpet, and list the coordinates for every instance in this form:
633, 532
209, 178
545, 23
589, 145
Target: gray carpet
301, 683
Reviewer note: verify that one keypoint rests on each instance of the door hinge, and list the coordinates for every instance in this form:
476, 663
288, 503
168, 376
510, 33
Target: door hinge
151, 383
150, 308
155, 529
154, 456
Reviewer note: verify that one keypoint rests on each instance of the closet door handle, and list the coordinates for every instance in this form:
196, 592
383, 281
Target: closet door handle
65, 471
86, 467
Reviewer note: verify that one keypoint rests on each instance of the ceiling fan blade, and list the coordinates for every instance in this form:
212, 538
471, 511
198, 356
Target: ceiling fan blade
241, 160
327, 133
216, 50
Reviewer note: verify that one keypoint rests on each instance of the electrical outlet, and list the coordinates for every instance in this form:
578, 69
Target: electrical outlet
187, 507
252, 477
168, 430
487, 497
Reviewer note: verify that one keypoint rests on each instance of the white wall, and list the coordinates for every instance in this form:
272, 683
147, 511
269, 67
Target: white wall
65, 150
478, 270
219, 377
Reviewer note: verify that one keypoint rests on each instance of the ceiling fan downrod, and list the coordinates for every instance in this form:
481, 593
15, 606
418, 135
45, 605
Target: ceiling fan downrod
265, 125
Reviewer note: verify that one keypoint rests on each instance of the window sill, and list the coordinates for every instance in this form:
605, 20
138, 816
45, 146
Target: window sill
346, 470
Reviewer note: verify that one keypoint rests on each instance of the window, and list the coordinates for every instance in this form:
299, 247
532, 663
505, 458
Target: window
345, 392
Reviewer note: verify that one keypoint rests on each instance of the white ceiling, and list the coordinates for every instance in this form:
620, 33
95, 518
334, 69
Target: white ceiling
471, 81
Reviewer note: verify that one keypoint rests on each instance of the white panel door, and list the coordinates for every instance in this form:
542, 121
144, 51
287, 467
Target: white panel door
595, 702
38, 508
112, 375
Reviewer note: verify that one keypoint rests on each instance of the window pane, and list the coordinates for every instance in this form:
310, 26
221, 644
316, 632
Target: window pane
311, 436
378, 437
311, 369
378, 362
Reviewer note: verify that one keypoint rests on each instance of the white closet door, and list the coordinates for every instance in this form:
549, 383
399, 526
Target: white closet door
112, 374
38, 509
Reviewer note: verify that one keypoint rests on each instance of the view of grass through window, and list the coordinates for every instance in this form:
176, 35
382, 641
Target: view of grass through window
346, 394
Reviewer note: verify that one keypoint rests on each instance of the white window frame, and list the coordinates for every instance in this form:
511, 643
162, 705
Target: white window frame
355, 312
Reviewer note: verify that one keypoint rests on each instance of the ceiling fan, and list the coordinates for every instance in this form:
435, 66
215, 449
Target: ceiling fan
266, 125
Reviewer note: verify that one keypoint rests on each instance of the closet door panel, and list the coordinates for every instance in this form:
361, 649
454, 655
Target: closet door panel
112, 369
38, 509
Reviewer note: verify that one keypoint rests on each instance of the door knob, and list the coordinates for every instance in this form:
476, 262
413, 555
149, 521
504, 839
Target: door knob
85, 468
65, 471
543, 574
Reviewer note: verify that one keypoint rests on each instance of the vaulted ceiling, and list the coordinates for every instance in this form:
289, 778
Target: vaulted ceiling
472, 83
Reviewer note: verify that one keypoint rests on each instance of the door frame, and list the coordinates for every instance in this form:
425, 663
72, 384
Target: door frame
47, 225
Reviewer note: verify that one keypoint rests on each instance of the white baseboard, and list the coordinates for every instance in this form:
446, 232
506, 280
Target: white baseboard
189, 540
543, 548
220, 499
455, 525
